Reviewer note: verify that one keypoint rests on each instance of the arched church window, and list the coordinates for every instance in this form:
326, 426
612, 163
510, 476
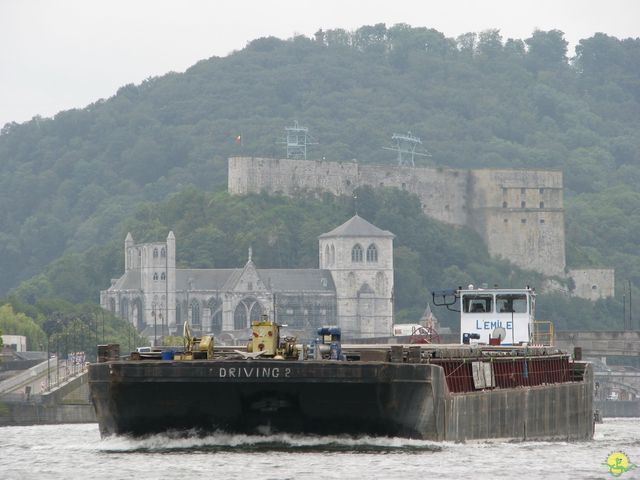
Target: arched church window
155, 275
112, 305
178, 313
155, 253
138, 314
327, 255
163, 252
356, 253
215, 310
124, 309
333, 254
247, 311
163, 276
372, 253
195, 312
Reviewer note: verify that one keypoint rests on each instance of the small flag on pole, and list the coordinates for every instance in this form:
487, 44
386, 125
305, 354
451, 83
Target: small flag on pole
239, 140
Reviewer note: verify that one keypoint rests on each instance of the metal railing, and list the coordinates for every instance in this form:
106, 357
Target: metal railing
543, 333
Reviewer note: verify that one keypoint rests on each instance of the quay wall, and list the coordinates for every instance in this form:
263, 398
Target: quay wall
618, 408
26, 413
69, 403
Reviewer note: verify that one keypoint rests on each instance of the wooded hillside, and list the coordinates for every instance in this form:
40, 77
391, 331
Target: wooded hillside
68, 183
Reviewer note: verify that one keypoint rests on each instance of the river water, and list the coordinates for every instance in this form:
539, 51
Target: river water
72, 451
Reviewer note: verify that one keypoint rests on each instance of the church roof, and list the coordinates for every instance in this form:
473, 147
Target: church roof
357, 226
278, 280
129, 281
293, 280
204, 278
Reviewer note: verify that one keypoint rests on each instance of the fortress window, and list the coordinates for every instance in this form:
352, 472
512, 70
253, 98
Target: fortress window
594, 287
163, 252
372, 253
155, 253
523, 204
541, 204
504, 204
163, 276
523, 220
356, 253
155, 275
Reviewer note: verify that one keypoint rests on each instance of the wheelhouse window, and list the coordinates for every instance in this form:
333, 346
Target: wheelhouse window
477, 303
511, 303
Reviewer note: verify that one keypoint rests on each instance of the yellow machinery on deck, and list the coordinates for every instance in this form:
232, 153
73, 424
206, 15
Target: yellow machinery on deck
265, 337
195, 348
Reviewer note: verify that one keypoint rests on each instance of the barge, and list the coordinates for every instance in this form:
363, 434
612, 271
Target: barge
471, 391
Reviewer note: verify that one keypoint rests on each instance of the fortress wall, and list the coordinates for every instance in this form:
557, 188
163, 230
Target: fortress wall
519, 214
593, 283
532, 240
286, 176
442, 192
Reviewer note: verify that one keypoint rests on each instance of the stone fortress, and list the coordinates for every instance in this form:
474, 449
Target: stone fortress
518, 213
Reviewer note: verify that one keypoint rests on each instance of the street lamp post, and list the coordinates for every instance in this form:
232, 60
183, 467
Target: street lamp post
155, 325
48, 365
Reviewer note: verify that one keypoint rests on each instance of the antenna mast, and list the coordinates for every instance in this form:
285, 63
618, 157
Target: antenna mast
297, 139
405, 146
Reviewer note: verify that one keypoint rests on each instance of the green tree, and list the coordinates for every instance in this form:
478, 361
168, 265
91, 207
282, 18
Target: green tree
16, 323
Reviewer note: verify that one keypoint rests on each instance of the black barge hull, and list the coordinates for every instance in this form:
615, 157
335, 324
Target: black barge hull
324, 397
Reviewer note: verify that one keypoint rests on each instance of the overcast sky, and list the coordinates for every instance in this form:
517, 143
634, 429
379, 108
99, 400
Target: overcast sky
56, 55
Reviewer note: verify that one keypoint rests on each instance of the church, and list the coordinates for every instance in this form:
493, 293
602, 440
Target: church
352, 288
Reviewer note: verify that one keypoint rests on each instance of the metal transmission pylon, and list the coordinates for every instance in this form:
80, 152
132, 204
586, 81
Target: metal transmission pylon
406, 145
297, 140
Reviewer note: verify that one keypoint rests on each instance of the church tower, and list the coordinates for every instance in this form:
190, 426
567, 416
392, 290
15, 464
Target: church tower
359, 256
155, 266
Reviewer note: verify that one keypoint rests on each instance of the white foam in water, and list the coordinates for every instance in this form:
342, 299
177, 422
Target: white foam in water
191, 440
